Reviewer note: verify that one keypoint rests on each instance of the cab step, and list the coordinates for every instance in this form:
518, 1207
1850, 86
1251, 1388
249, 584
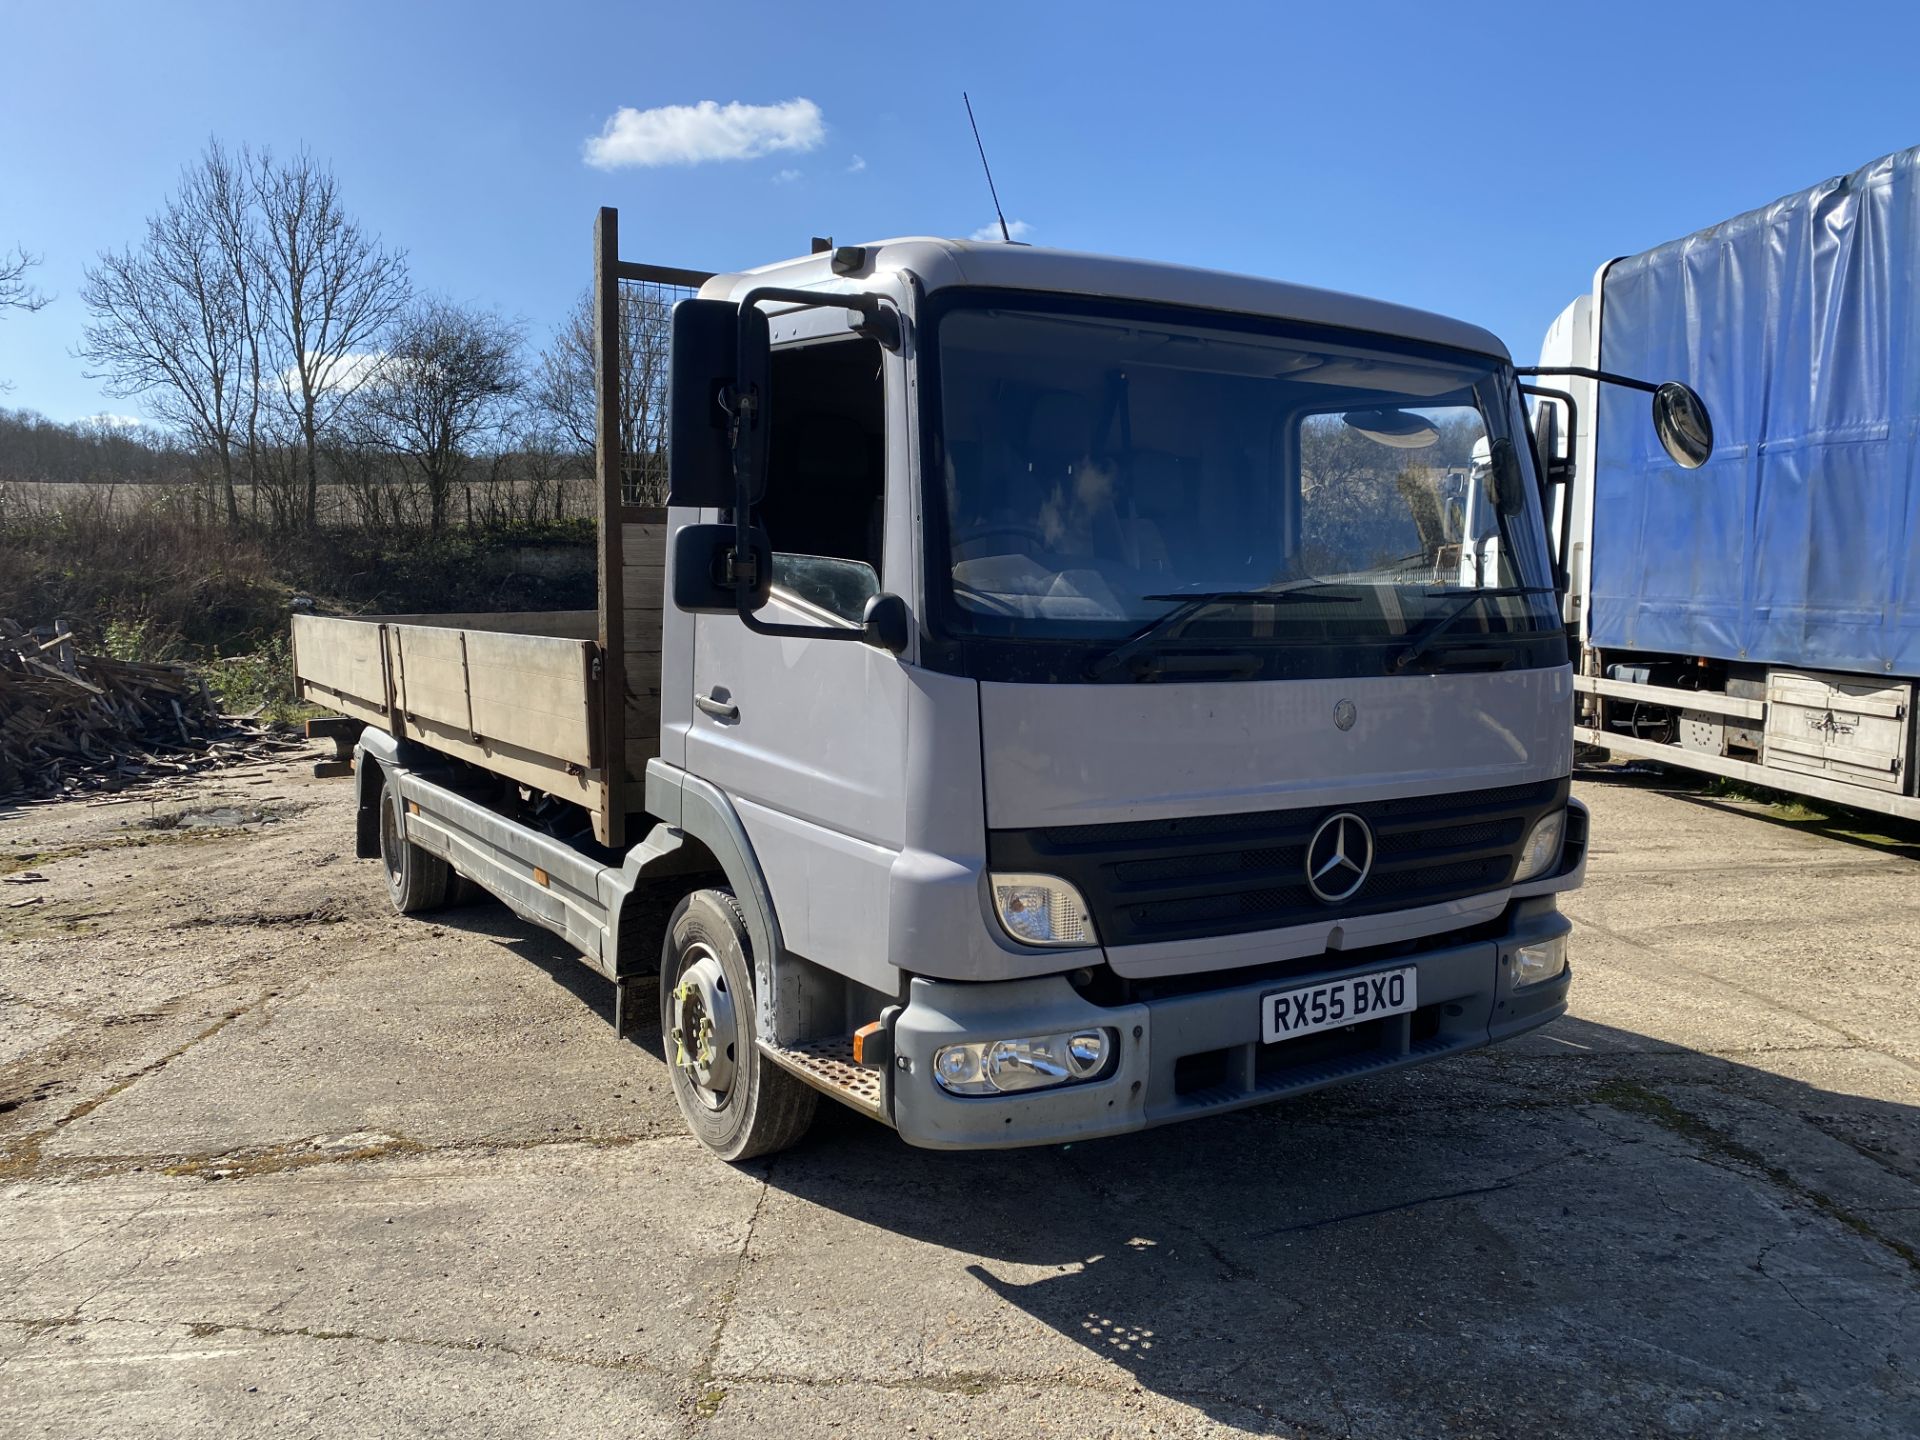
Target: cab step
829, 1067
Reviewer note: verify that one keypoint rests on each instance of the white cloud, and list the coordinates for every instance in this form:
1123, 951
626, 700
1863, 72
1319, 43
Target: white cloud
857, 164
695, 134
1018, 229
107, 420
345, 375
786, 177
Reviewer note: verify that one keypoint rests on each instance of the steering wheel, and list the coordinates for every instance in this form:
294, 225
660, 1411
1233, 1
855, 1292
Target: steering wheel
1028, 534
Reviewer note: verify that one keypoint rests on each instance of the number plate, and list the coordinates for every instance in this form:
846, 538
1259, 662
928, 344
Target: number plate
1289, 1014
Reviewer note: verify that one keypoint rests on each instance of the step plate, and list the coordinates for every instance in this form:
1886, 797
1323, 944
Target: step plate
828, 1066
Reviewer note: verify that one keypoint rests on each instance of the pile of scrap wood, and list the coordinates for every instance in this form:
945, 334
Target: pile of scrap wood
71, 722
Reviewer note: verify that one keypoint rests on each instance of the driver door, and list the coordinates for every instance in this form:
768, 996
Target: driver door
807, 735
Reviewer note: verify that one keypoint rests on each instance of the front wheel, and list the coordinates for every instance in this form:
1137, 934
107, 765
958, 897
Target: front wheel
736, 1101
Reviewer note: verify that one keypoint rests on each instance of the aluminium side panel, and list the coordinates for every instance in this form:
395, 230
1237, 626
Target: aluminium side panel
1798, 543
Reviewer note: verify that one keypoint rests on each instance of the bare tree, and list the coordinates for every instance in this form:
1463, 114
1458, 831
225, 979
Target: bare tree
331, 291
15, 291
222, 192
564, 382
166, 324
442, 387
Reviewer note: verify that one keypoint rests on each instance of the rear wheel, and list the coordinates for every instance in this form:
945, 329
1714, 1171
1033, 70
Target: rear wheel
739, 1103
416, 880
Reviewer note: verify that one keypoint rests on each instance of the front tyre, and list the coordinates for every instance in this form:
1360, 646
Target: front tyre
736, 1101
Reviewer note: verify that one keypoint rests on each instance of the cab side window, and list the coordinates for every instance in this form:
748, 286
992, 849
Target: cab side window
826, 482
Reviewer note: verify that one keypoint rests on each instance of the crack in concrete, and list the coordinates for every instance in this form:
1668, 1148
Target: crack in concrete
1770, 1002
1838, 1135
1713, 1147
710, 1394
26, 1158
302, 1154
1232, 1271
205, 1328
23, 1159
1760, 1265
974, 1383
125, 1223
1417, 1202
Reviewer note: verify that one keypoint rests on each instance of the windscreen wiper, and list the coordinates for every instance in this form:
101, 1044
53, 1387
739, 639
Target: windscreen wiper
1169, 625
1433, 632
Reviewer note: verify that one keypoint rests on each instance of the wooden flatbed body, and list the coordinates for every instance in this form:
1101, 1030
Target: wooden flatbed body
564, 702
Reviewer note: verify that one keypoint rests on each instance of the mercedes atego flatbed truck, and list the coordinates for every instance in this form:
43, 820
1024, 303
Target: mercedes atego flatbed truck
1062, 695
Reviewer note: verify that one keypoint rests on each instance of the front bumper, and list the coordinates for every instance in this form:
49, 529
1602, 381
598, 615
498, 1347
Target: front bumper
1200, 1053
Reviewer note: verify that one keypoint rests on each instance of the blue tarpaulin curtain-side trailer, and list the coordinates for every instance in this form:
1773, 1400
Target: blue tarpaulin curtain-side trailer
1798, 543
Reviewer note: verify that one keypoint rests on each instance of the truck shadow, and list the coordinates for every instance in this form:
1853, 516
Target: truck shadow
539, 950
1586, 1231
1595, 1234
1861, 829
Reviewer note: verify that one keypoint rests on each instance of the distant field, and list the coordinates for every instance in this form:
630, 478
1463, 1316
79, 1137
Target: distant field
338, 505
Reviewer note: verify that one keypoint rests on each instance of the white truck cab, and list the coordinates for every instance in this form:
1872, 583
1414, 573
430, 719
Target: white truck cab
1087, 698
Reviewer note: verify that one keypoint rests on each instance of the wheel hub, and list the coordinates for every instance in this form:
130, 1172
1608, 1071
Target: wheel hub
704, 1034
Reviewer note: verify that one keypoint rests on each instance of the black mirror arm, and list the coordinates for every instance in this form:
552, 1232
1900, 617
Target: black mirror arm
1606, 377
879, 320
799, 632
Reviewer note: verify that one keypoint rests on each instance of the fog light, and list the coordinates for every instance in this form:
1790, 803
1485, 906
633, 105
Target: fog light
1041, 910
1542, 850
1544, 961
957, 1067
1035, 1062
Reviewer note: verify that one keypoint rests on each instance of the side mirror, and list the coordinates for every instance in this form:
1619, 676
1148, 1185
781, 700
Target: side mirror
1681, 421
1546, 446
708, 369
1508, 494
887, 624
703, 582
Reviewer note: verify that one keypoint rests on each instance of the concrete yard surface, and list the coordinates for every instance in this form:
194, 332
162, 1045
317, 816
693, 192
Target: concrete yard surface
274, 1161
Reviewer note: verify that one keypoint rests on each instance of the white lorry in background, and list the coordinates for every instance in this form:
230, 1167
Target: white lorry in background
1759, 618
1064, 695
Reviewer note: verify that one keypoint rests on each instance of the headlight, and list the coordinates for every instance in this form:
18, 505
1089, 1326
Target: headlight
1542, 850
1534, 963
995, 1067
1041, 910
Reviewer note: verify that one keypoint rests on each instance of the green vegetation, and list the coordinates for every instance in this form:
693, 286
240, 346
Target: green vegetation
260, 684
143, 580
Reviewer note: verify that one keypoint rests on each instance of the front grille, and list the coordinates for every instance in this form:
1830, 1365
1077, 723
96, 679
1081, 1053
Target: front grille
1204, 875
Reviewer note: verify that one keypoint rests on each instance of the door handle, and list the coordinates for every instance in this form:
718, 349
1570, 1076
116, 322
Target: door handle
717, 707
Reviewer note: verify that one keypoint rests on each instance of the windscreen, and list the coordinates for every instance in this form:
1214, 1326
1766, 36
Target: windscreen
1102, 470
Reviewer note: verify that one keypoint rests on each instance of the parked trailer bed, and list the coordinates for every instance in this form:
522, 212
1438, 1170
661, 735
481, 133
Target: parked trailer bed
1756, 618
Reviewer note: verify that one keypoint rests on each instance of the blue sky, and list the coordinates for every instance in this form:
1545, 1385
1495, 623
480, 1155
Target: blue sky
1469, 159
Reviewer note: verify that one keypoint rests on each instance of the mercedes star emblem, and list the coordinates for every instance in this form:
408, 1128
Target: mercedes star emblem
1339, 857
1344, 715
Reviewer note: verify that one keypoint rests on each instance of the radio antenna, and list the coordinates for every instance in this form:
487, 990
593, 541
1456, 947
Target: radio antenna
999, 214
